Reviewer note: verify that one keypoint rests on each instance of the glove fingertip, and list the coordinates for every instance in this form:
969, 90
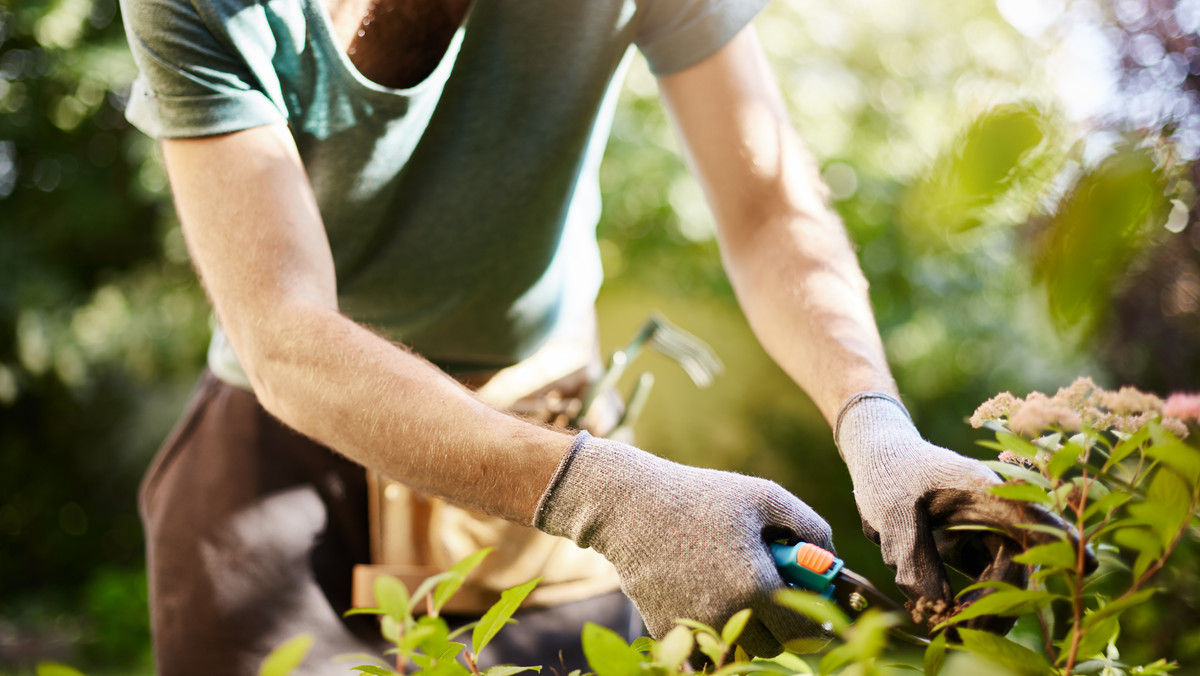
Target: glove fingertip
758, 641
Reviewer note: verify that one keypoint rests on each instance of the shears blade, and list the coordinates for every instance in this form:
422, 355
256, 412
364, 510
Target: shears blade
804, 565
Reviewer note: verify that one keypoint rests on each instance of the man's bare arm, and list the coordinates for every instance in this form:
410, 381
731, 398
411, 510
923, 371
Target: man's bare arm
256, 237
791, 264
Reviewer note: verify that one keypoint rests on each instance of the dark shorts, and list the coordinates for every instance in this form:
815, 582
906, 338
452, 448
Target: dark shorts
252, 531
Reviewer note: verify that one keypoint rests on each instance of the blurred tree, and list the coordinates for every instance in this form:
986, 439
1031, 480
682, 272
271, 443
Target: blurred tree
101, 327
1153, 327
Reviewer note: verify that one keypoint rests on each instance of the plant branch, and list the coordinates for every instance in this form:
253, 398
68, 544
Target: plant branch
1080, 572
471, 662
1162, 560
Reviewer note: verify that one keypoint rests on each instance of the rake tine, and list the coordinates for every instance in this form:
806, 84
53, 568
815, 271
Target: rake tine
617, 364
693, 355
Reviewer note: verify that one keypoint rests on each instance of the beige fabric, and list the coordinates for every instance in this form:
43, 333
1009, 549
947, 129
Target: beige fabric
414, 536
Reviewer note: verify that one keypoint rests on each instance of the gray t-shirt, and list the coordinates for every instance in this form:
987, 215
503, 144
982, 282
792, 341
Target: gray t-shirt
461, 212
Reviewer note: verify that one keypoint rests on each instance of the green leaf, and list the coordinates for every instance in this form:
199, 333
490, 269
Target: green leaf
1048, 443
56, 669
390, 628
443, 661
508, 670
977, 527
1112, 560
427, 585
498, 615
1182, 458
998, 585
1011, 471
1098, 227
1095, 489
1017, 445
608, 654
1158, 667
814, 606
1002, 149
414, 637
837, 658
430, 635
1118, 525
1014, 656
756, 667
353, 657
1004, 603
284, 659
1063, 460
459, 572
1167, 508
362, 611
373, 670
1022, 492
1142, 564
643, 644
1096, 635
1126, 447
734, 627
1082, 440
790, 663
711, 646
1043, 528
935, 655
865, 640
1106, 504
392, 597
1052, 556
674, 648
698, 626
1115, 608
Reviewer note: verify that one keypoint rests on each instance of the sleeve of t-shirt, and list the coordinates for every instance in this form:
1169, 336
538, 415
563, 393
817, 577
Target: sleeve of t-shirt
189, 83
675, 34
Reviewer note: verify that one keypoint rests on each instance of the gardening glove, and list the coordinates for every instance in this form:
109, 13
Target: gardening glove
687, 542
908, 491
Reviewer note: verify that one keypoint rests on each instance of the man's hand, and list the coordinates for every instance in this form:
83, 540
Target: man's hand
688, 542
909, 490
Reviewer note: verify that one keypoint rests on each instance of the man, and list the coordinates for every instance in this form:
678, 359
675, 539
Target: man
427, 169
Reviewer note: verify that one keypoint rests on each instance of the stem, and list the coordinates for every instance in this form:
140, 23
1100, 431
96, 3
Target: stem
471, 662
1080, 571
1046, 638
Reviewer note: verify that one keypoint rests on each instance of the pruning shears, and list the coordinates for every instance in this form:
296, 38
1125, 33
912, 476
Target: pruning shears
806, 566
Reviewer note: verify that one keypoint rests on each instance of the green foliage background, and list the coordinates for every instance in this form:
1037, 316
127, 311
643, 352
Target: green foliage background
974, 201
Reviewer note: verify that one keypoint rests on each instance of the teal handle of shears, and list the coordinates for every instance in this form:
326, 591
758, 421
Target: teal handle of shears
806, 566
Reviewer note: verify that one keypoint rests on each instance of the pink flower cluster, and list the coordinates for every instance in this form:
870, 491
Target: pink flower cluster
1183, 405
1084, 405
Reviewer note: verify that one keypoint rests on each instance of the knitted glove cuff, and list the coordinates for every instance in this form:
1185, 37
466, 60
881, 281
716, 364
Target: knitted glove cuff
868, 415
564, 464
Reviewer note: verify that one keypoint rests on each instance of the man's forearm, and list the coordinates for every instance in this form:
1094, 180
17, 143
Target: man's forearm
786, 253
388, 409
805, 297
